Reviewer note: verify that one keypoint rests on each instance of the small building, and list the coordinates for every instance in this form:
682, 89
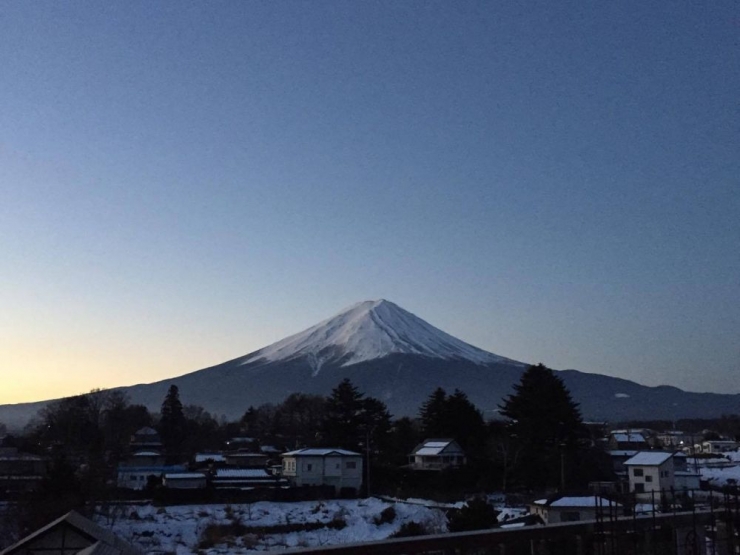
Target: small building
685, 479
651, 475
339, 468
245, 478
241, 459
72, 534
718, 446
144, 458
618, 458
137, 477
20, 472
208, 460
627, 440
674, 439
574, 508
184, 480
146, 439
437, 454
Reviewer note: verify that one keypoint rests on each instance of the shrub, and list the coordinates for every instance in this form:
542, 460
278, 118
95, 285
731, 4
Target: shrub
386, 516
477, 514
410, 529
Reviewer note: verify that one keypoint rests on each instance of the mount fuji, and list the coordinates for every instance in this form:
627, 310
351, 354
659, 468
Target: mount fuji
397, 357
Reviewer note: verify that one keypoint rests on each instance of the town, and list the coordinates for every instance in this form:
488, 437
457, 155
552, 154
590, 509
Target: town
98, 459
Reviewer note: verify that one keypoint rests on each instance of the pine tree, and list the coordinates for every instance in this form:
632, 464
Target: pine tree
344, 408
352, 419
546, 423
433, 414
172, 425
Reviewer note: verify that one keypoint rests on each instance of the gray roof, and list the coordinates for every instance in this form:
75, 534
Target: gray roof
314, 452
648, 458
98, 535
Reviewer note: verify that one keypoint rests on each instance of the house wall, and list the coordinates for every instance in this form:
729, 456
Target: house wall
654, 479
340, 472
134, 479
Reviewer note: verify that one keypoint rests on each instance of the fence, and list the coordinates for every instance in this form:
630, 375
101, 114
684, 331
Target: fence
677, 523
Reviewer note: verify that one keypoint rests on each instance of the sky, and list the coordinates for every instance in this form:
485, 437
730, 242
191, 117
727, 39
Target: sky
182, 183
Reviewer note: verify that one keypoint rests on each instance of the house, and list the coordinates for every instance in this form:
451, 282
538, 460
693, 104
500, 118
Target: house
574, 508
146, 439
184, 480
245, 478
437, 454
651, 475
144, 458
241, 459
674, 439
718, 446
685, 479
71, 534
339, 468
137, 477
627, 440
20, 472
618, 458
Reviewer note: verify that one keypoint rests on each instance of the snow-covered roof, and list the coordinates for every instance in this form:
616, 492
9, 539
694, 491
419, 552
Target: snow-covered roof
648, 458
577, 501
314, 452
371, 330
622, 453
242, 473
146, 454
185, 476
628, 437
434, 447
146, 431
204, 457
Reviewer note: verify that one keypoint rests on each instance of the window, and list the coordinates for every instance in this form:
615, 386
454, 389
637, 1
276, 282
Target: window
351, 465
637, 472
309, 467
639, 488
648, 478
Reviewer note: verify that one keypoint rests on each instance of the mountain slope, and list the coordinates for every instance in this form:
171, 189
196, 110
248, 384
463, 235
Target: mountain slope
395, 356
371, 330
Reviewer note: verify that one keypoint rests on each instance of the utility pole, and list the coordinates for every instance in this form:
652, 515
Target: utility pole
367, 451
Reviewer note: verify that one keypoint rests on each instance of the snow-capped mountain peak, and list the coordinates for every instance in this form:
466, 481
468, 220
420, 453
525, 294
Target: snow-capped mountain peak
369, 330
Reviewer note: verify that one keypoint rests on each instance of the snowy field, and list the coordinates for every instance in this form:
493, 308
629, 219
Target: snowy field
182, 529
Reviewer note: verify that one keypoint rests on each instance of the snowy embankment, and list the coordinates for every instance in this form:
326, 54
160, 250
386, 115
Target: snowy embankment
722, 470
185, 529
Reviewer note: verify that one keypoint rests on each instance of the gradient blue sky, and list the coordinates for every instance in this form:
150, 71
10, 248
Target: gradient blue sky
182, 183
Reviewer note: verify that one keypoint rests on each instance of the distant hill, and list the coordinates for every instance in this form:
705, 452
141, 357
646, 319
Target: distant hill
395, 356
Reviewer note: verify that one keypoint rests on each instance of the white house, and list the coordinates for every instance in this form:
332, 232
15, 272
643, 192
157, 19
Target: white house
437, 454
323, 467
651, 473
627, 440
136, 477
717, 446
574, 508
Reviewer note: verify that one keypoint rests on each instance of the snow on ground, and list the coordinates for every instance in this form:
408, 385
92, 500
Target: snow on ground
179, 529
721, 476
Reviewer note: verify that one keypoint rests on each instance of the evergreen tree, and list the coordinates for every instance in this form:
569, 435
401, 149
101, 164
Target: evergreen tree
433, 415
172, 424
455, 417
546, 424
352, 419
